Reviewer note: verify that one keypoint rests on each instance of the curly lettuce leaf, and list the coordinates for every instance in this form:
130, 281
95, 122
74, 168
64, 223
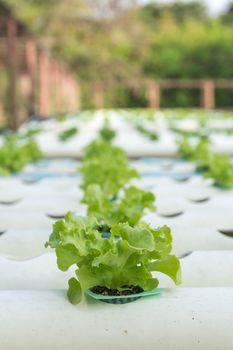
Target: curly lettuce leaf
214, 166
74, 292
106, 166
220, 169
106, 133
15, 154
128, 207
67, 134
128, 256
151, 135
169, 265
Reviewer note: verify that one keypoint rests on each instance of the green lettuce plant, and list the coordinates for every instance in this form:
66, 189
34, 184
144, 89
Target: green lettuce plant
106, 133
128, 206
201, 154
96, 148
214, 166
67, 134
106, 166
185, 149
30, 132
128, 256
220, 168
194, 151
151, 135
15, 154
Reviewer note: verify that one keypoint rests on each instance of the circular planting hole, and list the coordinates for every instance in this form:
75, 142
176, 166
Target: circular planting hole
167, 166
226, 232
182, 179
149, 187
200, 200
30, 181
10, 201
56, 216
182, 256
171, 215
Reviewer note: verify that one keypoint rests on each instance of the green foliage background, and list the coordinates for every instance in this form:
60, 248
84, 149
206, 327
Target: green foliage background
119, 40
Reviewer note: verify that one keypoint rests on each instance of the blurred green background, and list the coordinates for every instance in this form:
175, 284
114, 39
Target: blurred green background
118, 40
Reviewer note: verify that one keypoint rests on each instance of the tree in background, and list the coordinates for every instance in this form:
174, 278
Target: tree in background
153, 13
116, 40
227, 17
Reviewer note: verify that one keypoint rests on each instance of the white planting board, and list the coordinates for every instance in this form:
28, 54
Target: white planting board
34, 311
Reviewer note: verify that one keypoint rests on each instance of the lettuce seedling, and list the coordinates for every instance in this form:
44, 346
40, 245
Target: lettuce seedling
29, 133
151, 135
126, 207
215, 166
127, 257
198, 153
67, 134
201, 154
15, 154
195, 152
220, 169
106, 133
185, 149
106, 166
96, 148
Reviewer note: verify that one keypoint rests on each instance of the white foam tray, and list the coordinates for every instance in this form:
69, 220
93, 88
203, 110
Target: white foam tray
177, 319
199, 269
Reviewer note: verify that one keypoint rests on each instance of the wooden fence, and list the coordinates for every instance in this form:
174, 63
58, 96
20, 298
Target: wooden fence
154, 89
37, 83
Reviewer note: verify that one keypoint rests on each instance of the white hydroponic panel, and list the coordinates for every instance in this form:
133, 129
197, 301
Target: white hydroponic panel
199, 269
34, 310
204, 269
132, 141
37, 273
27, 243
199, 318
